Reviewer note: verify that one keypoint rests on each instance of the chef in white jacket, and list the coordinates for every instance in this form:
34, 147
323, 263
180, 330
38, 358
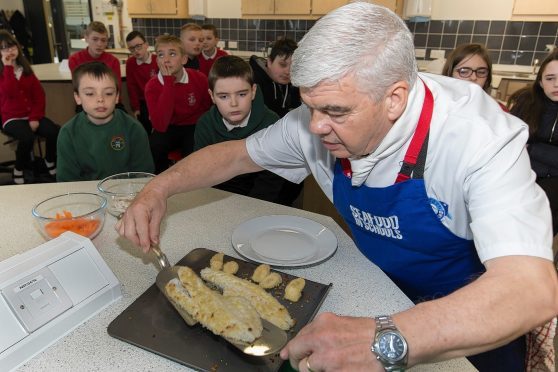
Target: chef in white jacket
434, 181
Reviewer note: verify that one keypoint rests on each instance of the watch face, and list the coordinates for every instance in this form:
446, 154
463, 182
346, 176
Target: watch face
391, 346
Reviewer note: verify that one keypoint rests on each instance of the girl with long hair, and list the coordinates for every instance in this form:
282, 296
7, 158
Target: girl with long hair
22, 107
537, 105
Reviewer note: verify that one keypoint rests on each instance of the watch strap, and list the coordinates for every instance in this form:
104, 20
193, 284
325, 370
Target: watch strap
384, 323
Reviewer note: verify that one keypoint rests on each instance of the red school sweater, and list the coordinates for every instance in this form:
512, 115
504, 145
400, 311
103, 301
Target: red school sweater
137, 77
177, 102
23, 98
83, 56
206, 63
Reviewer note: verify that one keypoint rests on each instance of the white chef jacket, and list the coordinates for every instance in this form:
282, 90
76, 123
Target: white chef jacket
477, 166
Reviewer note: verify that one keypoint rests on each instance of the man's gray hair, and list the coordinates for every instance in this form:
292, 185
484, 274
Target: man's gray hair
360, 38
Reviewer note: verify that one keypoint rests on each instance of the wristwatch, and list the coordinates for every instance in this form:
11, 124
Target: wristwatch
389, 345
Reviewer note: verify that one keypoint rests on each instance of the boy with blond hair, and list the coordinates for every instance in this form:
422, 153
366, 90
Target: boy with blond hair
100, 141
239, 111
210, 52
176, 98
191, 36
96, 37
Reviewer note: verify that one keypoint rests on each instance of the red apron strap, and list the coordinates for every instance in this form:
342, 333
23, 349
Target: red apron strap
417, 141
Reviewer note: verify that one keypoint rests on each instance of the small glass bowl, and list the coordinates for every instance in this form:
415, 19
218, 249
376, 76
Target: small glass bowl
120, 189
79, 212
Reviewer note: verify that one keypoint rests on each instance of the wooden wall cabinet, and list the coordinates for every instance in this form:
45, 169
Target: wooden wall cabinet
535, 7
321, 7
309, 9
276, 7
158, 8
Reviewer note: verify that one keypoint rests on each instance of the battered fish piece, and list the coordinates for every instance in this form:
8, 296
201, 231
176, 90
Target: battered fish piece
216, 262
265, 304
260, 273
230, 317
293, 290
230, 267
271, 281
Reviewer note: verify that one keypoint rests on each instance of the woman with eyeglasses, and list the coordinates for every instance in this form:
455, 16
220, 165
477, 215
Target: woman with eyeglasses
22, 107
537, 105
471, 62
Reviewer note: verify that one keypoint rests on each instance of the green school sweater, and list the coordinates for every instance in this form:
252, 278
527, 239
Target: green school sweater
210, 128
87, 151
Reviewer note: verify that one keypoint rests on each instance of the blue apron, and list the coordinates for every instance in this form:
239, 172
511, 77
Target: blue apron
399, 229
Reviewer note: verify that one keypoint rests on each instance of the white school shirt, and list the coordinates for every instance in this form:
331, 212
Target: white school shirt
477, 166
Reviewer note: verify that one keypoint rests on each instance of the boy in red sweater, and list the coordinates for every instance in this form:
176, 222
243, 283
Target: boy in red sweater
140, 67
96, 37
176, 98
192, 38
210, 53
22, 107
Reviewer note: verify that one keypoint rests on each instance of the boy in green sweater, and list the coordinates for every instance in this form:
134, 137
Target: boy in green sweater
238, 112
100, 141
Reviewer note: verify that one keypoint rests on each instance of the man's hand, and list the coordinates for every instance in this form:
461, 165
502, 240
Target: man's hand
34, 125
137, 114
142, 220
334, 343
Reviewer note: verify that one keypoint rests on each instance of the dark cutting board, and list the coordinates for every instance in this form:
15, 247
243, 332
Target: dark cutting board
153, 324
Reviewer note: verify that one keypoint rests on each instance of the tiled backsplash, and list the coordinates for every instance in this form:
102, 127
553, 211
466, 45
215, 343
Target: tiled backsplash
509, 42
251, 34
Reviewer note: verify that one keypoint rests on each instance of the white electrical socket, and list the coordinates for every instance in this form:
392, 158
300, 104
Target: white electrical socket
437, 54
420, 53
221, 44
233, 44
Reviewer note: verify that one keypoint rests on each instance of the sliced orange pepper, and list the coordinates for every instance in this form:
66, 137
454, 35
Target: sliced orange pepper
81, 226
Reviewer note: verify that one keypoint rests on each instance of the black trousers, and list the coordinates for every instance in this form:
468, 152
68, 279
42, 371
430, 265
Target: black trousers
177, 137
143, 117
21, 131
507, 358
550, 187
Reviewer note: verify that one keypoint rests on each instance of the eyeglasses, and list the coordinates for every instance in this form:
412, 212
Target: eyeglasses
136, 47
8, 47
466, 72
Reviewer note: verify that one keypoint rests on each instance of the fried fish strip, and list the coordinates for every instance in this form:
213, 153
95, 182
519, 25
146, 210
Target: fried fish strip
293, 290
230, 267
267, 306
230, 317
216, 262
271, 281
261, 272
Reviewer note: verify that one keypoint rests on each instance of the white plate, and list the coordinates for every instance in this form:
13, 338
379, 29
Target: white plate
287, 241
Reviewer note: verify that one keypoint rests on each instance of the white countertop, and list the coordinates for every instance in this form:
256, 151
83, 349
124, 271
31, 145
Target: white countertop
204, 218
53, 72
